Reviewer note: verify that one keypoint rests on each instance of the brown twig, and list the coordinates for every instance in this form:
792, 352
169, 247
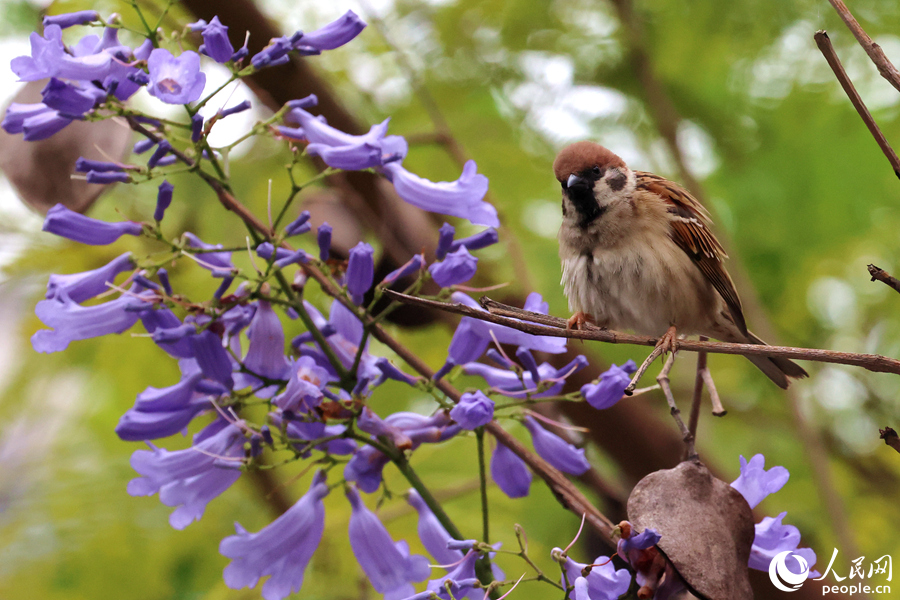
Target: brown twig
885, 67
663, 380
538, 324
694, 417
890, 437
884, 277
827, 50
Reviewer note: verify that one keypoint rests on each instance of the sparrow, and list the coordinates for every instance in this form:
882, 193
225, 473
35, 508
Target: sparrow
637, 253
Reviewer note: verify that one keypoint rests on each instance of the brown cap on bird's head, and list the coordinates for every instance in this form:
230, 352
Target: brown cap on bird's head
580, 156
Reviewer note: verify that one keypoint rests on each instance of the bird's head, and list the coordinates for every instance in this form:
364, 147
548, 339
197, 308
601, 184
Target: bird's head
592, 179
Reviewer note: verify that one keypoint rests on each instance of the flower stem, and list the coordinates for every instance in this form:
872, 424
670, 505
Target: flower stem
482, 475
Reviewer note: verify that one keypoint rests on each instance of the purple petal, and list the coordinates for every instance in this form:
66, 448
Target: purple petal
175, 80
510, 473
84, 286
74, 226
473, 410
555, 450
755, 482
336, 33
458, 267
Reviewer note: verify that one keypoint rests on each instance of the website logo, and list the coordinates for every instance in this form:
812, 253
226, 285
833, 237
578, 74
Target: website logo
782, 577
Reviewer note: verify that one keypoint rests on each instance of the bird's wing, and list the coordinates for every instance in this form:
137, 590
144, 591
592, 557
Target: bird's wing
690, 228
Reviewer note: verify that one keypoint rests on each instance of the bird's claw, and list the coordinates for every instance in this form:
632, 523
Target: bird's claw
578, 320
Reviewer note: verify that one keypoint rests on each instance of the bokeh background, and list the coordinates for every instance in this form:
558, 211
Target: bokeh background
731, 98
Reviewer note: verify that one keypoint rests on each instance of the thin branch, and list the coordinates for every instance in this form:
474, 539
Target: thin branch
827, 50
884, 277
686, 436
694, 417
538, 324
885, 67
890, 437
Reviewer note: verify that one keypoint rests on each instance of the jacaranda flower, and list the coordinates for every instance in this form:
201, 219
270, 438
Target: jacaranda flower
603, 582
216, 44
458, 267
755, 482
281, 549
189, 479
65, 20
335, 34
71, 99
89, 284
772, 538
555, 450
69, 224
175, 80
510, 383
611, 386
509, 472
387, 564
360, 271
473, 410
265, 356
433, 535
304, 389
163, 200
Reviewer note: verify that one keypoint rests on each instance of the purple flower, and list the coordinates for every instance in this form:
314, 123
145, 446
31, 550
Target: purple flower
445, 240
510, 383
603, 582
336, 33
84, 286
215, 41
478, 241
299, 225
611, 387
433, 535
473, 336
350, 158
527, 359
163, 200
458, 267
167, 330
237, 108
772, 538
69, 19
175, 80
365, 468
388, 565
36, 121
218, 262
49, 58
161, 412
161, 151
142, 146
323, 238
555, 450
635, 543
265, 357
86, 165
74, 226
275, 53
755, 483
71, 100
473, 410
281, 549
462, 198
107, 177
212, 357
304, 389
509, 472
412, 266
190, 478
70, 321
461, 580
360, 271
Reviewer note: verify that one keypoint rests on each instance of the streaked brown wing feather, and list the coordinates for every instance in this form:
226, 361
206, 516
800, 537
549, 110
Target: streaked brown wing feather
691, 231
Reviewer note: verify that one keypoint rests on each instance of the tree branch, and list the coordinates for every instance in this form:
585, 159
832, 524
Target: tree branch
538, 324
884, 277
890, 437
827, 49
885, 67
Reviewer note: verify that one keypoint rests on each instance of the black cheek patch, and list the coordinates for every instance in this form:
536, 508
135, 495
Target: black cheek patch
617, 181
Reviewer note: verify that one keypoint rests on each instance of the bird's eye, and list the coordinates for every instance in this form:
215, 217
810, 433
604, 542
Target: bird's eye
597, 171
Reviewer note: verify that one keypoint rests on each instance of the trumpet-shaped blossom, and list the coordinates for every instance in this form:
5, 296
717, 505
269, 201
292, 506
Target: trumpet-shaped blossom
365, 468
71, 99
168, 332
265, 357
473, 410
35, 121
433, 535
458, 267
219, 263
772, 538
175, 80
70, 321
335, 34
462, 198
323, 239
89, 284
611, 386
509, 472
212, 357
163, 200
388, 565
473, 336
603, 582
755, 482
445, 240
299, 225
360, 271
74, 226
304, 389
555, 450
189, 479
216, 44
49, 58
73, 18
412, 267
515, 385
282, 549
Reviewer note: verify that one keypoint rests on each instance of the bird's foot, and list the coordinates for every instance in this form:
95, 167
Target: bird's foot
578, 320
665, 344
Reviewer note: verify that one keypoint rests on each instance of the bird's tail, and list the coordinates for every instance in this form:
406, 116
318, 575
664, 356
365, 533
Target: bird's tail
776, 369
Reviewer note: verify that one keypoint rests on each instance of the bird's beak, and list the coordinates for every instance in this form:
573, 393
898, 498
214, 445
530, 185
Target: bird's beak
576, 181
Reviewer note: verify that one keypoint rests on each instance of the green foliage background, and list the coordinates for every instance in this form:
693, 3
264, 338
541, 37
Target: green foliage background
803, 200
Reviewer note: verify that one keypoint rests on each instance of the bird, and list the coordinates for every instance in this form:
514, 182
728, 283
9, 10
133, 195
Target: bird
637, 253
